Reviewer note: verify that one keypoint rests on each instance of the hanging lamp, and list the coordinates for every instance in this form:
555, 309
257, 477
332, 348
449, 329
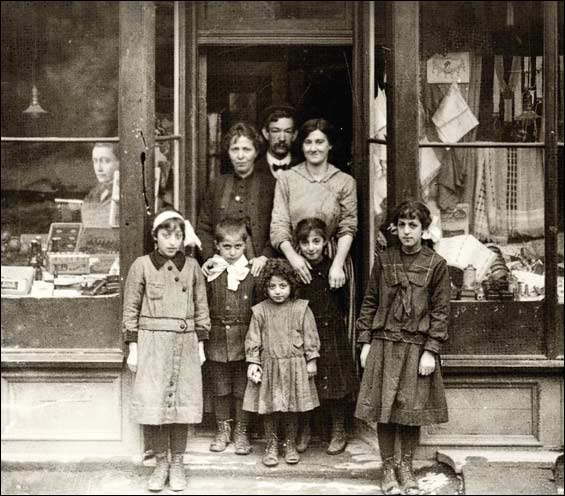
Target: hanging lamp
34, 110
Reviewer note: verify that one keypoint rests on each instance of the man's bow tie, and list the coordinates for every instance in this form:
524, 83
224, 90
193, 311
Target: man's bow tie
280, 167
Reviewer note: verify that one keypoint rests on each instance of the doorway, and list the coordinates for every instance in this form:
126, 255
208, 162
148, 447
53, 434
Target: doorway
240, 82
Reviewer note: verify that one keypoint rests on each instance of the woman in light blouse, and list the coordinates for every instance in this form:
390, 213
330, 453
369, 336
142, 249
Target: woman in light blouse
316, 188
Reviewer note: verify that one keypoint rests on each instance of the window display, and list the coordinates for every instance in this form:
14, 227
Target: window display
60, 174
485, 85
481, 107
56, 180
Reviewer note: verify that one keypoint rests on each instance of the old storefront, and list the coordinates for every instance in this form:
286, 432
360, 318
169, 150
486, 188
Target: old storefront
457, 103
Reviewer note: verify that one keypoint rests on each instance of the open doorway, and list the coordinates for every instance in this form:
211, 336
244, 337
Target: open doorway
242, 81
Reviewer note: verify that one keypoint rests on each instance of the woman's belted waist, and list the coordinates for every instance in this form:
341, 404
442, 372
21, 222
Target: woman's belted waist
170, 324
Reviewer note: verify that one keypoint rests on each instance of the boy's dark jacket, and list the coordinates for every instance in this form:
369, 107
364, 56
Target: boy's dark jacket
230, 314
410, 302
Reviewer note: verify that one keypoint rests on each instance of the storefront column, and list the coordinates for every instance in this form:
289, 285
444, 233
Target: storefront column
402, 104
137, 129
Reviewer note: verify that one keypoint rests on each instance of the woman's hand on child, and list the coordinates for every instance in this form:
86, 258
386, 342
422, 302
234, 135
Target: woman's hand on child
132, 357
336, 276
257, 265
207, 266
254, 372
364, 354
311, 368
302, 267
201, 353
427, 363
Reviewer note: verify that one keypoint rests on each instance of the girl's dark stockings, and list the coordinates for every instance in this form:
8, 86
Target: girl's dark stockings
409, 437
169, 435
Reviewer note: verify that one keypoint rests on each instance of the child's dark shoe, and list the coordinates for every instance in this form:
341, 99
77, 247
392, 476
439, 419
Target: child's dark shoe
389, 483
223, 435
406, 477
291, 455
241, 439
304, 438
160, 474
177, 475
271, 456
338, 442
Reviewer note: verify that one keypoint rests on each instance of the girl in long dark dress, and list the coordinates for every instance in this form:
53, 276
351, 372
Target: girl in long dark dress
402, 324
336, 380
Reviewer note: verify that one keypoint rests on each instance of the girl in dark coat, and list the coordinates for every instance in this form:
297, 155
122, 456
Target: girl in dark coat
336, 379
403, 321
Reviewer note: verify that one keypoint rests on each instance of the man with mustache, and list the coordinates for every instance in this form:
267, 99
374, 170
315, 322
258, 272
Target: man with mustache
279, 131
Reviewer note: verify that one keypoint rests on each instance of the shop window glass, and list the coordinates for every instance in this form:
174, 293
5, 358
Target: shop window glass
166, 103
60, 174
481, 80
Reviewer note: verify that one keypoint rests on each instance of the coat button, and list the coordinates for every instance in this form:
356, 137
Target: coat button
184, 290
171, 384
228, 327
176, 279
170, 267
227, 307
182, 326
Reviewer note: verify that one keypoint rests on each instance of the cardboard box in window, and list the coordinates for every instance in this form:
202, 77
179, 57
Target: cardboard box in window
455, 222
68, 263
66, 236
102, 244
17, 280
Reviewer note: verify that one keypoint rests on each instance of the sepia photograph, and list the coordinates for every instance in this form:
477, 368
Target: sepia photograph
282, 247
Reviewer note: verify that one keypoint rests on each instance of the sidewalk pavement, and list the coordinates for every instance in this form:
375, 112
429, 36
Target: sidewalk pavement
356, 471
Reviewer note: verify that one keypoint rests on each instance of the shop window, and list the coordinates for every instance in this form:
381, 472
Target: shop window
481, 84
60, 144
60, 174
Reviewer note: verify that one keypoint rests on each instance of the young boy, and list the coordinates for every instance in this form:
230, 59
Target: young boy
231, 294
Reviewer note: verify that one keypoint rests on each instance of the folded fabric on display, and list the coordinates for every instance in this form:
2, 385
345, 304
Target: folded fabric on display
453, 118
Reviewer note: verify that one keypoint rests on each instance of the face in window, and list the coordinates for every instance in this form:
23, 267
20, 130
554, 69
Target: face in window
410, 234
231, 248
313, 247
278, 289
105, 163
242, 155
169, 241
316, 148
280, 135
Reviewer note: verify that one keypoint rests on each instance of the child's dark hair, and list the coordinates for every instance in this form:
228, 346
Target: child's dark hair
280, 268
306, 226
231, 226
170, 224
412, 209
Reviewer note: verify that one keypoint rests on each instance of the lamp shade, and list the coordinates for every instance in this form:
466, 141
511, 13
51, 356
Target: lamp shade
34, 110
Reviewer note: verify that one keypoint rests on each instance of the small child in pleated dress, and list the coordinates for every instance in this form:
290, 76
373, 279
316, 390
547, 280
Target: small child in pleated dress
281, 347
